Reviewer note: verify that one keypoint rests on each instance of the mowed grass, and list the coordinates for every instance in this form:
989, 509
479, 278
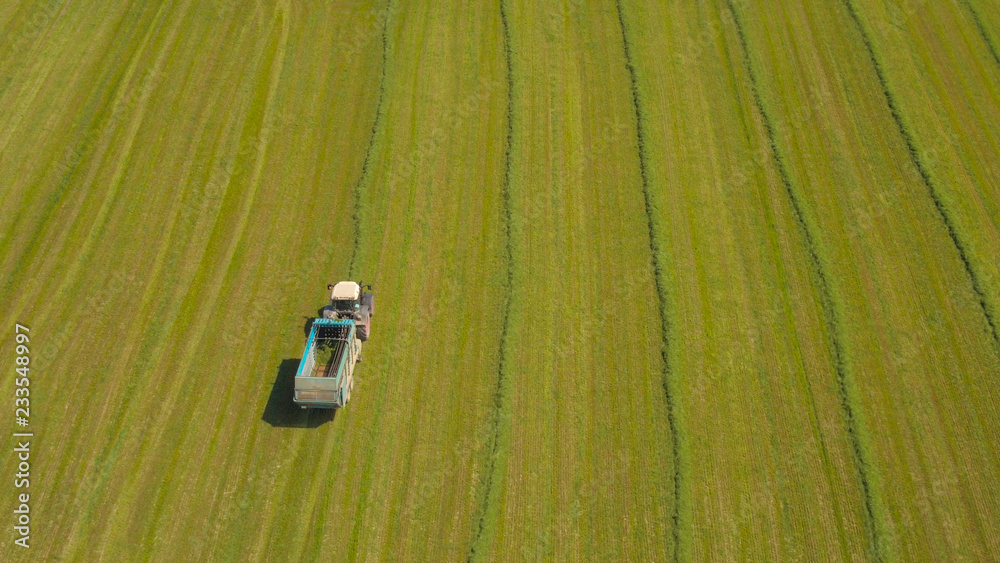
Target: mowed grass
585, 471
694, 280
766, 469
404, 479
919, 362
204, 221
939, 66
197, 223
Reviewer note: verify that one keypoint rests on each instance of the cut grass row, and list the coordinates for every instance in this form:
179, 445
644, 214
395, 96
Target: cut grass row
766, 461
433, 239
147, 463
655, 280
587, 473
498, 447
239, 154
857, 432
942, 203
654, 228
916, 342
986, 18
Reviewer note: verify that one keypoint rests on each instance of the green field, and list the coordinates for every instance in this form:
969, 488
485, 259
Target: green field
677, 280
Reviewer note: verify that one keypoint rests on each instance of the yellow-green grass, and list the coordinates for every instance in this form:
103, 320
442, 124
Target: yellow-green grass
404, 480
653, 281
766, 465
585, 466
178, 224
159, 352
938, 67
985, 16
919, 361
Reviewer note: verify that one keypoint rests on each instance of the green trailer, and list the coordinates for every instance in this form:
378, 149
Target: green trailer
328, 385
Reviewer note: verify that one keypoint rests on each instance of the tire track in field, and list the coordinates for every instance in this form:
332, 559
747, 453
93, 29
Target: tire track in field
490, 502
190, 349
95, 144
131, 358
145, 311
978, 21
100, 222
272, 63
363, 179
149, 348
265, 543
654, 250
153, 344
862, 462
932, 190
143, 96
32, 36
40, 72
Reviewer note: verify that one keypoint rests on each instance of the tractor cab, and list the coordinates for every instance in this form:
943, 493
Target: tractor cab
348, 300
345, 298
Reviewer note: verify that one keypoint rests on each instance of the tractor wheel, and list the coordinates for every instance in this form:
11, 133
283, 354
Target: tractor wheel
363, 331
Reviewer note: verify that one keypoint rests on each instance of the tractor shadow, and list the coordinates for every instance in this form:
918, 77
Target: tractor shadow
281, 412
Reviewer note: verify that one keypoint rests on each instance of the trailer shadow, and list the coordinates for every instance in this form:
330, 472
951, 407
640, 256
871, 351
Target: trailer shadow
281, 412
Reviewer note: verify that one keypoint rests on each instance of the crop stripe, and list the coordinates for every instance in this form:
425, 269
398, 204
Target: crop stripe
862, 464
482, 535
911, 146
977, 20
366, 165
654, 250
